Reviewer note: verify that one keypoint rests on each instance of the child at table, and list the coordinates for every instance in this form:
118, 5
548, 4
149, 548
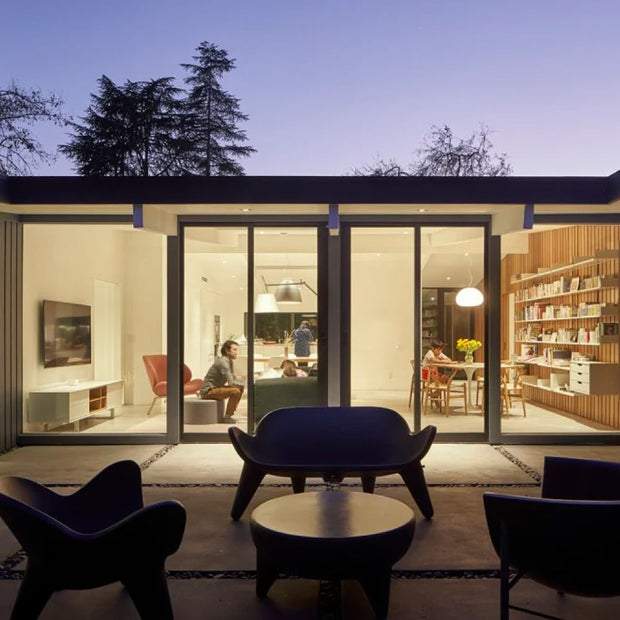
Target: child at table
435, 355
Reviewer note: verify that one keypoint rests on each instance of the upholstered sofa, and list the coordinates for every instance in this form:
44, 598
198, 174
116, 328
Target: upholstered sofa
270, 394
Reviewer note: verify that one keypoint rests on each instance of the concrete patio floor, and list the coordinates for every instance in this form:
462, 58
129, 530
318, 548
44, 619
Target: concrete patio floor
449, 572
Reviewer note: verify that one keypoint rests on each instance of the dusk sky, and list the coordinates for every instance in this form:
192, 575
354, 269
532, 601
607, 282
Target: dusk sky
330, 85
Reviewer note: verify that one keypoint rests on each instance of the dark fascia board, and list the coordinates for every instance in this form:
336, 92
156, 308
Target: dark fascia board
4, 190
309, 190
614, 187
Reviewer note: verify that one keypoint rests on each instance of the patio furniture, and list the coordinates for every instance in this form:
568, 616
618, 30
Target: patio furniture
568, 539
100, 534
332, 443
332, 535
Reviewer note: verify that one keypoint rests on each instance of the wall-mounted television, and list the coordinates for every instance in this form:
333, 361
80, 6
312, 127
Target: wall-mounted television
66, 334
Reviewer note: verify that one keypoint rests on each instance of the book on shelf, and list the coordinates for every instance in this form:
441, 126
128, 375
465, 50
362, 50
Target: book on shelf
574, 284
608, 329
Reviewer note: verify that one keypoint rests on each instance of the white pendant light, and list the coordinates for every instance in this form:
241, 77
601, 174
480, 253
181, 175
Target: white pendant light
469, 296
265, 302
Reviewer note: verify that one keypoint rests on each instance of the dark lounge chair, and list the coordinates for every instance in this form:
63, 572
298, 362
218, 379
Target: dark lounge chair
100, 534
332, 443
568, 539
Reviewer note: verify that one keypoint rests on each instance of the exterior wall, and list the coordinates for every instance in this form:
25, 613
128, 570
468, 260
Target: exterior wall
10, 331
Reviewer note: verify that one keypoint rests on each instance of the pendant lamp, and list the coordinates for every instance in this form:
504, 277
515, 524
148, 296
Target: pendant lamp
265, 302
288, 292
469, 296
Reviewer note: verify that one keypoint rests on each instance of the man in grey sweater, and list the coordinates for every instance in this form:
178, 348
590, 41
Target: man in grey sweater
219, 382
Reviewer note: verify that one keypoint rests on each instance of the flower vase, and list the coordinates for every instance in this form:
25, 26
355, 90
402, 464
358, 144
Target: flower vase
469, 358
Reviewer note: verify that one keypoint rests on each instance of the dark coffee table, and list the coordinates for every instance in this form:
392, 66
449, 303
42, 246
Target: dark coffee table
332, 535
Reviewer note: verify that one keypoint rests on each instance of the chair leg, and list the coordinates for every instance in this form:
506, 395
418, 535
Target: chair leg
153, 404
504, 576
32, 596
299, 483
148, 589
376, 586
368, 483
410, 392
413, 477
250, 479
523, 404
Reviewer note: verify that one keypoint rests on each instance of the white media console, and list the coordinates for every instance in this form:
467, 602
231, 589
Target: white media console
69, 403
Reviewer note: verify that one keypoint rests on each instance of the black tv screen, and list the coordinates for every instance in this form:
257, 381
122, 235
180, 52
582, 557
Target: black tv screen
66, 334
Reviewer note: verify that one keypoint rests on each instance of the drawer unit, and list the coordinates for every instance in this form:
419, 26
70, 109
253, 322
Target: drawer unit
594, 378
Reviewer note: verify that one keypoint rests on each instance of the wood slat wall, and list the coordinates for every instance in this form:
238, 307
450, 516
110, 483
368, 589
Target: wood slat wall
560, 246
10, 331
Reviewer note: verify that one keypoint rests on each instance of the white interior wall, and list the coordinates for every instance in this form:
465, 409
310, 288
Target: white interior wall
381, 321
62, 263
144, 309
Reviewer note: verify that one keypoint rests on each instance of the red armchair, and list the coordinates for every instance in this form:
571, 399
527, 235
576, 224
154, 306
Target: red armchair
157, 369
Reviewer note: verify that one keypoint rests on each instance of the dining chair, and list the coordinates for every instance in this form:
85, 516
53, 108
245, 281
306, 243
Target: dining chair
512, 388
412, 362
441, 393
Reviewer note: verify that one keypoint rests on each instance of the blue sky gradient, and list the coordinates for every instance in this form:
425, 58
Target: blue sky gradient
330, 85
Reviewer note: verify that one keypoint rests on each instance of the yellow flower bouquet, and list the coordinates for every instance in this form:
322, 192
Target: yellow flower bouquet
468, 345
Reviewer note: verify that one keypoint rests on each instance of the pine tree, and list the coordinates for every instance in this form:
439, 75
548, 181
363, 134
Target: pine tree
217, 141
137, 129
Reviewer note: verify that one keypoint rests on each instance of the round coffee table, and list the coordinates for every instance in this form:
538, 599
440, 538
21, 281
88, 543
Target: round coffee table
332, 535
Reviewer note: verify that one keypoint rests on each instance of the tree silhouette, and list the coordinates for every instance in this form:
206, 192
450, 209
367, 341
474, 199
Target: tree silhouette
217, 140
444, 155
130, 130
20, 109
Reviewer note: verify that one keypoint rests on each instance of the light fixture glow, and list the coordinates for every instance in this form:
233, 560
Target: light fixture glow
469, 297
265, 302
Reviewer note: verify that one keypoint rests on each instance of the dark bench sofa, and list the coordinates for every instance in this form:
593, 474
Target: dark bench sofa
332, 443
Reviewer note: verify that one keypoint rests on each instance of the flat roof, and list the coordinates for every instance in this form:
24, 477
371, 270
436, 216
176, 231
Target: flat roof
43, 190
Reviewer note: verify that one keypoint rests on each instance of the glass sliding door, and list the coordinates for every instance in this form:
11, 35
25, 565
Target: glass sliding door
560, 330
285, 362
216, 275
94, 318
452, 387
382, 324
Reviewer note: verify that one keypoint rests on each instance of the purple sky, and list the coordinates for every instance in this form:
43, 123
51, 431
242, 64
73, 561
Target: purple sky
333, 84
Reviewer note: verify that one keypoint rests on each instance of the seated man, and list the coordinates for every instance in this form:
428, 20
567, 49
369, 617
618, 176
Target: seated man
290, 369
219, 382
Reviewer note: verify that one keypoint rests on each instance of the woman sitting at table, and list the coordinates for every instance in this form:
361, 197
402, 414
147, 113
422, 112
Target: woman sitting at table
435, 355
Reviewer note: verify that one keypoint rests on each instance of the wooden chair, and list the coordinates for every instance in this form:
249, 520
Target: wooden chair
412, 362
512, 388
441, 393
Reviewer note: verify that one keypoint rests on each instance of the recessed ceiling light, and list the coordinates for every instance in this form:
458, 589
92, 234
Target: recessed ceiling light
421, 210
447, 277
246, 209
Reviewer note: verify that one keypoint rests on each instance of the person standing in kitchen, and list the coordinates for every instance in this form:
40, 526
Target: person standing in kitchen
302, 337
